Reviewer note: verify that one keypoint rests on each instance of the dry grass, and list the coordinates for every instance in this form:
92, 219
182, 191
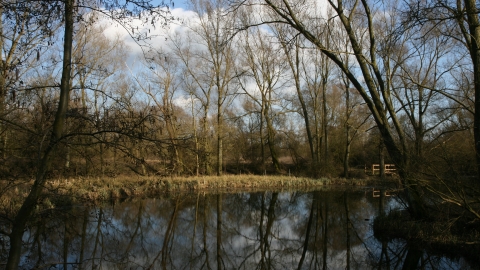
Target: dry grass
62, 192
100, 189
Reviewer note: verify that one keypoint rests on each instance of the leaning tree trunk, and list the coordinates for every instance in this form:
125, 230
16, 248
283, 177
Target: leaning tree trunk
28, 206
295, 68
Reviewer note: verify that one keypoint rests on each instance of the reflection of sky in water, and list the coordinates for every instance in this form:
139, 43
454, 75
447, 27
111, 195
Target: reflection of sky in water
256, 229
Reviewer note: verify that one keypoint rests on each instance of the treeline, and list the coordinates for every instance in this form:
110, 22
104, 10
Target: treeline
214, 98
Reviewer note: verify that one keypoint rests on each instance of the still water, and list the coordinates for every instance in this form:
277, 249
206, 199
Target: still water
261, 230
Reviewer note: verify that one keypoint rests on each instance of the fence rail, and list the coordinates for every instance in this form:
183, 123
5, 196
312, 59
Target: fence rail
375, 169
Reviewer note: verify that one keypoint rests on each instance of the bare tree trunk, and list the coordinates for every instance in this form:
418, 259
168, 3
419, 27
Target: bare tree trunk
36, 190
324, 82
324, 122
372, 88
175, 162
381, 155
219, 141
3, 136
346, 157
205, 145
318, 136
474, 47
195, 137
295, 67
271, 139
262, 140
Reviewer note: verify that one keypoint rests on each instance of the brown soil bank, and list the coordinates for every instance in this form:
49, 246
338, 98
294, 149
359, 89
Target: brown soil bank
461, 239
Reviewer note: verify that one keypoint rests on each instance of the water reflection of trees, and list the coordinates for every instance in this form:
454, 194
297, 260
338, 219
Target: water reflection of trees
264, 230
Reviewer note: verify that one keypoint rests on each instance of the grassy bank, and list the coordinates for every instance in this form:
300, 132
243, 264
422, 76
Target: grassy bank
96, 190
80, 190
101, 189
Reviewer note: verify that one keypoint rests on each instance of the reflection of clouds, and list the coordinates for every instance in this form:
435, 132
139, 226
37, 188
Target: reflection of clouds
132, 234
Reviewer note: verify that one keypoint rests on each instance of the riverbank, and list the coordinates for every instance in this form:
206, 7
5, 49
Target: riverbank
101, 189
105, 189
442, 236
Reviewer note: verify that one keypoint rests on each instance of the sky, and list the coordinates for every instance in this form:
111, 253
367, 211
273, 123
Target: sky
158, 34
161, 37
160, 41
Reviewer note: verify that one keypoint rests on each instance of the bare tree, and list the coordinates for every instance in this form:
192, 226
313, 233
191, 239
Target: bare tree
199, 84
165, 82
295, 56
66, 12
97, 62
357, 21
267, 69
213, 31
458, 20
23, 40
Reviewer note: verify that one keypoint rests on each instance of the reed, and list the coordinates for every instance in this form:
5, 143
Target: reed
61, 192
101, 189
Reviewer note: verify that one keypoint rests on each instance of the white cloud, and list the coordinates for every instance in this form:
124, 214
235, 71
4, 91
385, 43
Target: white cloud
158, 34
183, 102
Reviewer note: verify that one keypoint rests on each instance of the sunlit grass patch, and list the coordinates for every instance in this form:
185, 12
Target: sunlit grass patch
121, 187
67, 191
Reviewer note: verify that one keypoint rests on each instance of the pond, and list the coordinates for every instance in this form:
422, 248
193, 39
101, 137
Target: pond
259, 230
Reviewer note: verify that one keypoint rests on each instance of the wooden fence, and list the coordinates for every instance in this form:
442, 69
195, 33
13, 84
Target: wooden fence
375, 169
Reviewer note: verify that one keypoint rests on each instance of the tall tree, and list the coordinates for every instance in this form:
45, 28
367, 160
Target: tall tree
213, 31
97, 62
23, 38
469, 23
162, 91
29, 204
66, 11
458, 20
266, 67
199, 84
294, 56
357, 21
